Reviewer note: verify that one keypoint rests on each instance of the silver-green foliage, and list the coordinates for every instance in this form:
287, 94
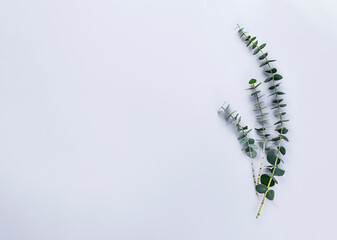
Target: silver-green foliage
272, 147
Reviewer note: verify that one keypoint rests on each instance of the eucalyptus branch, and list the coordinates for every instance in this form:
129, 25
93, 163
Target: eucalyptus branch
260, 119
268, 180
248, 143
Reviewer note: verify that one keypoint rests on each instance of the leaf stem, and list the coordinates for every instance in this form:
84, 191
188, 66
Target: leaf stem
263, 133
250, 152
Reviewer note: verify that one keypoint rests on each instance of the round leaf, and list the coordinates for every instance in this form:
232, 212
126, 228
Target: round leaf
270, 194
252, 81
265, 180
283, 150
272, 70
278, 171
277, 77
271, 157
261, 188
252, 154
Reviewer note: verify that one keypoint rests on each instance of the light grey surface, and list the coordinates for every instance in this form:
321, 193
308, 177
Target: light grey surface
109, 127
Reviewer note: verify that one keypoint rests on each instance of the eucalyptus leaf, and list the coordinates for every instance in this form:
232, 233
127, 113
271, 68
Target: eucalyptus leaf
268, 79
283, 150
262, 46
254, 93
250, 41
277, 100
271, 158
270, 194
261, 188
277, 77
252, 81
284, 137
265, 180
282, 130
278, 171
274, 86
267, 62
242, 136
272, 70
252, 154
263, 56
255, 44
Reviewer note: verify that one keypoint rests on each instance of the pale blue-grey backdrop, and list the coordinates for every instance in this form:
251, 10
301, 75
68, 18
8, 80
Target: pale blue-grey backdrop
109, 130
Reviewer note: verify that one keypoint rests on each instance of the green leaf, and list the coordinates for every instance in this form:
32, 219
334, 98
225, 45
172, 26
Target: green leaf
262, 115
252, 81
284, 137
265, 179
227, 108
256, 51
231, 115
253, 152
242, 136
271, 158
245, 147
282, 130
262, 45
253, 146
270, 194
280, 93
274, 86
283, 150
244, 141
272, 70
254, 93
250, 147
247, 38
263, 56
255, 44
277, 100
281, 106
261, 129
266, 62
277, 77
250, 41
268, 79
275, 139
278, 122
259, 108
251, 141
261, 188
240, 30
278, 171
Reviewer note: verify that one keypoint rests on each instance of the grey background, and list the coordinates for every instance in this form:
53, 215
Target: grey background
108, 124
